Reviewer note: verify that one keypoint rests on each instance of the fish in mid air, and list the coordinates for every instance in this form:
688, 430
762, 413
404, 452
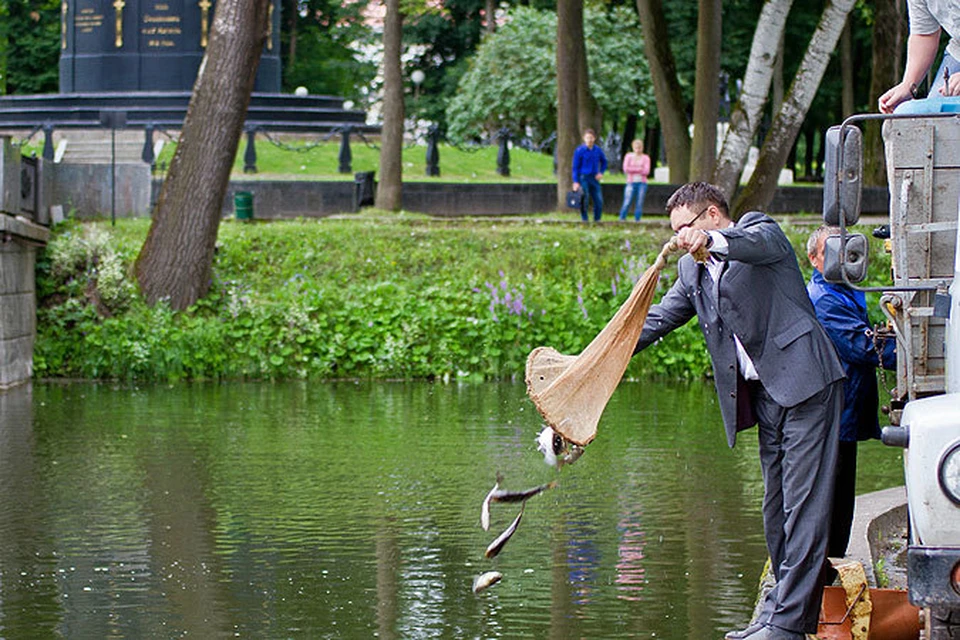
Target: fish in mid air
485, 580
497, 545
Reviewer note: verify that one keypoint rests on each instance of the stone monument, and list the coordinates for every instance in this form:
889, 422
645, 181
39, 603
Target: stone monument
146, 45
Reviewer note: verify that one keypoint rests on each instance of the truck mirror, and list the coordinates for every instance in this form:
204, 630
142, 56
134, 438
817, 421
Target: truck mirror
842, 184
854, 263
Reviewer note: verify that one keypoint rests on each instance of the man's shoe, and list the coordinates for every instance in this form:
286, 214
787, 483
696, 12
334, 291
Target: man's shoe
743, 633
770, 632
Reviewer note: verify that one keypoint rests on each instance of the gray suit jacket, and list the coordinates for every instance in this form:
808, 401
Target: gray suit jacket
761, 296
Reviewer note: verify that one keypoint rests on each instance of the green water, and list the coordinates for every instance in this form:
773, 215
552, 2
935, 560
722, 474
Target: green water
352, 511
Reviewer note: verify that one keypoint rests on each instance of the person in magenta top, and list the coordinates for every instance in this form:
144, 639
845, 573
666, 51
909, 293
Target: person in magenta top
636, 166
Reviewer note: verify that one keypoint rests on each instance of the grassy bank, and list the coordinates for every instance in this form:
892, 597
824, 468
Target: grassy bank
303, 159
378, 296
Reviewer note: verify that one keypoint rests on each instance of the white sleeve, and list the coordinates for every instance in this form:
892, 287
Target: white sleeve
718, 245
922, 21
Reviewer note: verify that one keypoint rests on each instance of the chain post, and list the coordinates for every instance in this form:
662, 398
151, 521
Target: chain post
48, 141
346, 157
433, 154
250, 155
503, 152
147, 154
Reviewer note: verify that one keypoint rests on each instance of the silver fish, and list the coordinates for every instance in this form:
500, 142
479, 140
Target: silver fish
485, 508
502, 495
485, 580
497, 545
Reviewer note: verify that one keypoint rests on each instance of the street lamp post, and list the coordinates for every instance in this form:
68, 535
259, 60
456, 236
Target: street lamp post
418, 77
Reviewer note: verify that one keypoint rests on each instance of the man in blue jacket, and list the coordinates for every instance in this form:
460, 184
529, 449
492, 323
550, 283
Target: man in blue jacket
842, 312
589, 165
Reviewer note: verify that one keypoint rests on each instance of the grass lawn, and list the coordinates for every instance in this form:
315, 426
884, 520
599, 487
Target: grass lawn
302, 160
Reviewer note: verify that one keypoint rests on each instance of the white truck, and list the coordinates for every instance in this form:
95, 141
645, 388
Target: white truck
922, 305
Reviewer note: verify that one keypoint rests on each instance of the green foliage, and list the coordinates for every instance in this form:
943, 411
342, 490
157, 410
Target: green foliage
512, 81
350, 298
366, 297
31, 31
321, 43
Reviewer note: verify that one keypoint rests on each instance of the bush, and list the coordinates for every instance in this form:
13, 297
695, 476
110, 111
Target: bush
357, 298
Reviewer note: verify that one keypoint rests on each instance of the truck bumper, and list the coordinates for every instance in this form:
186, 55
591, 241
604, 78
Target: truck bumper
930, 576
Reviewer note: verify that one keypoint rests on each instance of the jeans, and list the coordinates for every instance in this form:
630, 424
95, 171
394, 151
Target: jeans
591, 190
949, 62
633, 191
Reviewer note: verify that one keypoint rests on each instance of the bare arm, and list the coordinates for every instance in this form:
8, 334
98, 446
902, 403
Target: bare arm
921, 50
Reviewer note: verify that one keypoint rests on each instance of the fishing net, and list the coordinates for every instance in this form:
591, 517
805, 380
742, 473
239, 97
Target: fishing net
571, 392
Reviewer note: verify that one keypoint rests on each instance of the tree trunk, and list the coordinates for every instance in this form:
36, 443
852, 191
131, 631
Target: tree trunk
756, 85
706, 100
777, 102
390, 186
759, 191
568, 75
490, 11
846, 70
888, 37
589, 114
293, 18
666, 88
176, 260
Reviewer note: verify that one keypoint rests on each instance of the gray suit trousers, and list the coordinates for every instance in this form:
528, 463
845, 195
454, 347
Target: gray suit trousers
798, 454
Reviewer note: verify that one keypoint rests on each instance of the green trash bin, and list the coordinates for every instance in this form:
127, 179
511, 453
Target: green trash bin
243, 205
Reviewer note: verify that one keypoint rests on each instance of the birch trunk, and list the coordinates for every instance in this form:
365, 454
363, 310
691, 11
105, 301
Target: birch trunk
176, 260
390, 186
759, 191
756, 85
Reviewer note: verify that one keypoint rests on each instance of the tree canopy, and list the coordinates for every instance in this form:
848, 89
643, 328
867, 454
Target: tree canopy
511, 82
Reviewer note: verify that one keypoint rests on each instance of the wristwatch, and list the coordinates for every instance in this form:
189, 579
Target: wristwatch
913, 89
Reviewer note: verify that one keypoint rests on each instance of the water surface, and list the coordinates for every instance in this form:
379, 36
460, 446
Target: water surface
346, 510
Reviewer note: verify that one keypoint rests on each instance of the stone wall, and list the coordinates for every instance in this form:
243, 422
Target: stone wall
84, 190
275, 199
19, 239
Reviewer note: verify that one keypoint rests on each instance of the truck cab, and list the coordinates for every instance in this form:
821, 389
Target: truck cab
922, 306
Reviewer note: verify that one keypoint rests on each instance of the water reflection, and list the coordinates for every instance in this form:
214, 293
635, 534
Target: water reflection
352, 510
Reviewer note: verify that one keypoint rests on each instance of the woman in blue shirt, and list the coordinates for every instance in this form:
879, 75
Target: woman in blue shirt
589, 165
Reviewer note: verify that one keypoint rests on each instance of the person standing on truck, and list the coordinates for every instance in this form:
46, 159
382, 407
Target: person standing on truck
774, 367
842, 311
589, 165
927, 19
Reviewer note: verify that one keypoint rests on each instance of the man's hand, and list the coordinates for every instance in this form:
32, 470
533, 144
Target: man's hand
952, 87
599, 176
889, 100
693, 240
576, 186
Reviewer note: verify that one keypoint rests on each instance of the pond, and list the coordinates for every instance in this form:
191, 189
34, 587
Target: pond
351, 510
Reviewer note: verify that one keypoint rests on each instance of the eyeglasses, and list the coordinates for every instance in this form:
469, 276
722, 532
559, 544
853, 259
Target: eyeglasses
695, 218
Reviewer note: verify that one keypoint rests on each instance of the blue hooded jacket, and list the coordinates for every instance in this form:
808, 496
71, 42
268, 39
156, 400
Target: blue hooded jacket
843, 313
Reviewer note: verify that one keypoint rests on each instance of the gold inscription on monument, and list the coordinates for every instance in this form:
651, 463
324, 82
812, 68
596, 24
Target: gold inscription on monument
63, 25
161, 28
118, 6
270, 28
87, 19
204, 21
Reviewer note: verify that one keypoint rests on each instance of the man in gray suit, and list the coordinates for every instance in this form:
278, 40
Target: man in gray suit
773, 366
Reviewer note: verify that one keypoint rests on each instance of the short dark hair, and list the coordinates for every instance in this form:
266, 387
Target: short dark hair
590, 131
693, 194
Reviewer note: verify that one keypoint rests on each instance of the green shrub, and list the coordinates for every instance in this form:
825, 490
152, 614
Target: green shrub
365, 297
